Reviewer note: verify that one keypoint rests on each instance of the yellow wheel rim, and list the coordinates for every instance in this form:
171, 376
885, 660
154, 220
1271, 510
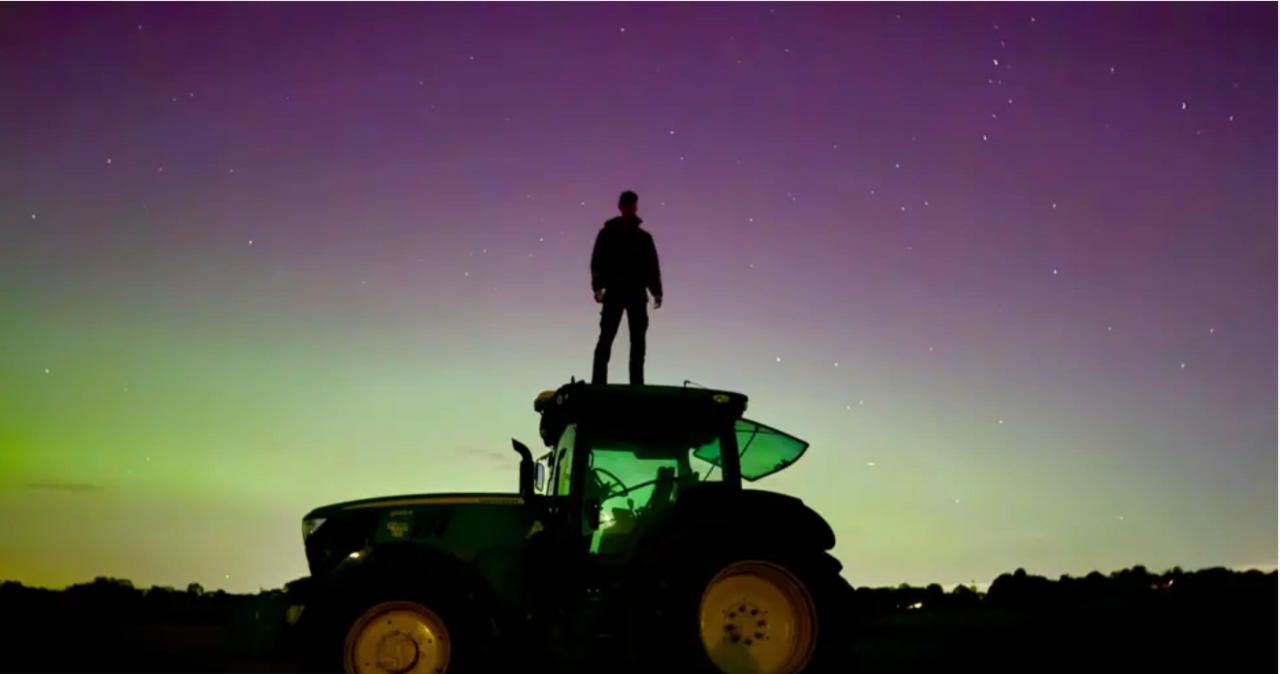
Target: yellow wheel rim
758, 618
397, 637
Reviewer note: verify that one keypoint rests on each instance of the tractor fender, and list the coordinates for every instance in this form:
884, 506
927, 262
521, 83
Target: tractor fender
425, 564
711, 517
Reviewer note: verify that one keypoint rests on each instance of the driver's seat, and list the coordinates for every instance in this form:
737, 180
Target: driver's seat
663, 489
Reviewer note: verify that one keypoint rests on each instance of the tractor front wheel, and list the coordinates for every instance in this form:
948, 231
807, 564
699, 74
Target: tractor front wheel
397, 637
397, 625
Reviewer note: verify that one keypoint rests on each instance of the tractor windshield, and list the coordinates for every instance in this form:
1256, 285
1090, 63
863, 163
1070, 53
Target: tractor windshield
763, 451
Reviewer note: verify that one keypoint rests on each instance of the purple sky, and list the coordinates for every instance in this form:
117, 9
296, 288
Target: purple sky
1010, 268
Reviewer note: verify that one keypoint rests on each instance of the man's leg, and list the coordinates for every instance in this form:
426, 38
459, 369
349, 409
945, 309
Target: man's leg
610, 319
638, 326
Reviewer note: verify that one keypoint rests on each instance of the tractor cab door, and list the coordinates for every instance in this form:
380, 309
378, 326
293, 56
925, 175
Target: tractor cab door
557, 548
565, 509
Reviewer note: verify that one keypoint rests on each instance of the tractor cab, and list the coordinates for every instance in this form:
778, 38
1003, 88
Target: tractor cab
622, 456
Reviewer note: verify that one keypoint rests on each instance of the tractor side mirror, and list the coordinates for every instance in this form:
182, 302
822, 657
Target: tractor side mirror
540, 476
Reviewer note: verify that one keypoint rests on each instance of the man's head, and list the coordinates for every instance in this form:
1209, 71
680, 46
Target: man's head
628, 202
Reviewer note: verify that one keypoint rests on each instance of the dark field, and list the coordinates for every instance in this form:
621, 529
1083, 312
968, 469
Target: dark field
1222, 622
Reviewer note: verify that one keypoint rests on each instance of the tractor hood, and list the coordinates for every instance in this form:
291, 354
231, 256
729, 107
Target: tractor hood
414, 500
463, 525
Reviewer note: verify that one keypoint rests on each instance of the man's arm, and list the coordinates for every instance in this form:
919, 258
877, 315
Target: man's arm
598, 263
654, 281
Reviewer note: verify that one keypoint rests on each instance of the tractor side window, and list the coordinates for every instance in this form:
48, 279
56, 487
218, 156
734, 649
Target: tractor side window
564, 462
707, 463
764, 450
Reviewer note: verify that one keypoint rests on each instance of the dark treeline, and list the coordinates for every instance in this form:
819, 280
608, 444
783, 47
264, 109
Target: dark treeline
1023, 591
1018, 590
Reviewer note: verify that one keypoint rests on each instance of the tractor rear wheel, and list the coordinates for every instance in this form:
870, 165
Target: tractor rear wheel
720, 613
756, 617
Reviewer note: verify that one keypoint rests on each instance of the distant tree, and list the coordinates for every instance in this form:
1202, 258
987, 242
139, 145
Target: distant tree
964, 596
195, 589
124, 583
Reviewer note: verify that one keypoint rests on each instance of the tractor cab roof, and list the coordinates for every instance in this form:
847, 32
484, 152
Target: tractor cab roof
635, 407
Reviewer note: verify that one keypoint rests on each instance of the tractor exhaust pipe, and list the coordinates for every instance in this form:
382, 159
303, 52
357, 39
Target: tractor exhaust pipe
526, 468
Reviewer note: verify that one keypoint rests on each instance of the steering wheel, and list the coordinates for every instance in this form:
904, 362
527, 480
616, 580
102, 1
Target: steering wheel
608, 493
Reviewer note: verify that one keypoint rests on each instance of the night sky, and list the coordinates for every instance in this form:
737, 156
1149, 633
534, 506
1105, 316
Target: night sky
1011, 269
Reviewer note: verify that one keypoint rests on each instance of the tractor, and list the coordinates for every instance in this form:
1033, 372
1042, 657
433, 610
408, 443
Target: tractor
631, 544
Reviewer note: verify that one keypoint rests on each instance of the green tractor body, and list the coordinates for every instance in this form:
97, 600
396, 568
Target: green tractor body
630, 544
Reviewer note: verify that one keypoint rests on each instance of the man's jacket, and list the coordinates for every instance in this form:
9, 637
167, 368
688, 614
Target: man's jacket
624, 261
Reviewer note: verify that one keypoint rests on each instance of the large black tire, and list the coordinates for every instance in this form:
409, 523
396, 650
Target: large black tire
459, 639
672, 606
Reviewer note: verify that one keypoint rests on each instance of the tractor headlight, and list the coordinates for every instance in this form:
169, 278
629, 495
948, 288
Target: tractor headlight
309, 526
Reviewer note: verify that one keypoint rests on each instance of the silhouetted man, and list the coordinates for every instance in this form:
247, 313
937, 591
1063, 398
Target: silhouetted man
624, 271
